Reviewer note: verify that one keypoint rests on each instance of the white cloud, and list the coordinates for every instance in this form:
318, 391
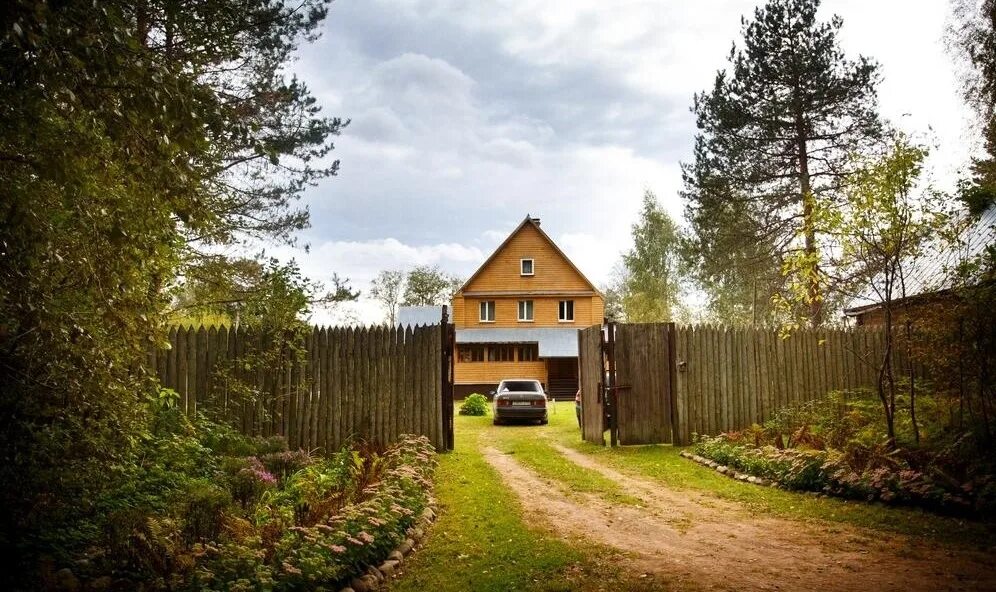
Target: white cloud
467, 116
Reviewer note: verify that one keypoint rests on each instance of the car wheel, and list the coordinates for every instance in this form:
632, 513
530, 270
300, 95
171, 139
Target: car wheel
544, 421
497, 421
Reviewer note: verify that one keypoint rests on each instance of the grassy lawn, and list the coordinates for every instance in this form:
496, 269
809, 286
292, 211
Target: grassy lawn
662, 463
481, 541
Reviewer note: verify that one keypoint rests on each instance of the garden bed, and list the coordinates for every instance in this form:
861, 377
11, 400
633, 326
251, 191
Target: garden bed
835, 447
208, 509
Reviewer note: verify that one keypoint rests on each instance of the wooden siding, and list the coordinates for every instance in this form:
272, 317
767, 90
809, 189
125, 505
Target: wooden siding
551, 271
493, 372
546, 311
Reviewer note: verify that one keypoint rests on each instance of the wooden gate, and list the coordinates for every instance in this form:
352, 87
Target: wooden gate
645, 373
591, 373
628, 377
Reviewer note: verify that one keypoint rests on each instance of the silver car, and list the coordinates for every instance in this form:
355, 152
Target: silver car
519, 399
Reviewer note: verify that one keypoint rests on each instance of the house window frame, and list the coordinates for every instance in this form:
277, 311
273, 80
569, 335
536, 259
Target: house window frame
483, 308
467, 352
526, 306
562, 308
532, 267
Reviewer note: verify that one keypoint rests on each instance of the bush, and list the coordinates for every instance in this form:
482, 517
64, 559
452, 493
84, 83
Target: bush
475, 404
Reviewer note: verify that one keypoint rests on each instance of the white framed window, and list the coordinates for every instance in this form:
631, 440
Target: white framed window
566, 314
487, 311
526, 267
525, 310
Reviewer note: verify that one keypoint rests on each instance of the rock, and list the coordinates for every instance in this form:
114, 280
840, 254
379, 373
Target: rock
752, 479
741, 477
418, 533
359, 585
396, 555
375, 574
347, 589
713, 464
67, 581
101, 584
388, 567
406, 547
722, 469
428, 514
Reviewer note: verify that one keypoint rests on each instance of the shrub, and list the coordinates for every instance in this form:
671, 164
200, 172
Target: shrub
250, 481
284, 464
475, 404
203, 511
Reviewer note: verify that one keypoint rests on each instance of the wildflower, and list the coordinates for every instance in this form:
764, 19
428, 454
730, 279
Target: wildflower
290, 569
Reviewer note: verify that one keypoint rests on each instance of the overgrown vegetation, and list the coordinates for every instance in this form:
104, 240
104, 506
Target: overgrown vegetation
838, 445
198, 506
474, 404
137, 139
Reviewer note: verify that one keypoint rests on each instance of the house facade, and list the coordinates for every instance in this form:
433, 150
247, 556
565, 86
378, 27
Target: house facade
518, 315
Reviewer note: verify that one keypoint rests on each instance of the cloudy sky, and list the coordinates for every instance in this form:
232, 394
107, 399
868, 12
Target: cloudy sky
466, 116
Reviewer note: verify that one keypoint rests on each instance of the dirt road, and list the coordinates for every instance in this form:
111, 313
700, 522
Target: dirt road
696, 541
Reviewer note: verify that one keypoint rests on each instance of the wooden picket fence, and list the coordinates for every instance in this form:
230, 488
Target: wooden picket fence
729, 378
318, 391
668, 382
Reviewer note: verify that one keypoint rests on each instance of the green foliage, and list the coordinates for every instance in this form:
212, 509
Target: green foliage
188, 518
386, 289
972, 41
776, 132
136, 137
425, 286
838, 445
652, 282
475, 404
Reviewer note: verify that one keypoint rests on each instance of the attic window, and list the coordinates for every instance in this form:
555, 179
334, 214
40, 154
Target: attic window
525, 267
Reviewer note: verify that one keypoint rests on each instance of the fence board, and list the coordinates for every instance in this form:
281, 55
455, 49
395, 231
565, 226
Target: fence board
726, 379
334, 384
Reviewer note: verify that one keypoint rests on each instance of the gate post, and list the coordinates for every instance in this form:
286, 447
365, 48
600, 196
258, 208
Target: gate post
447, 337
611, 388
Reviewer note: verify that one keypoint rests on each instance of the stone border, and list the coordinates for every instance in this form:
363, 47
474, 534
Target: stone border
728, 471
375, 577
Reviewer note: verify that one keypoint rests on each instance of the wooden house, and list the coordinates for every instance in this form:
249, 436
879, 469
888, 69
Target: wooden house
518, 315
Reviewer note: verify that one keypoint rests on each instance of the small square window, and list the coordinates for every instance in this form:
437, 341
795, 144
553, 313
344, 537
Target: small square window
526, 266
525, 310
566, 311
488, 311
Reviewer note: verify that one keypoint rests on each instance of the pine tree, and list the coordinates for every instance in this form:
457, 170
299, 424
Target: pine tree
775, 134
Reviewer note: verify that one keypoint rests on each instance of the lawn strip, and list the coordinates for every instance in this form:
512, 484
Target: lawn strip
663, 464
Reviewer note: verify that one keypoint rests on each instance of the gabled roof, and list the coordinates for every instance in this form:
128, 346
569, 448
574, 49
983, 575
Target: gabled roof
534, 222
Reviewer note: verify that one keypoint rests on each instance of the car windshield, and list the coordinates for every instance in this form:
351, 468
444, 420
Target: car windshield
519, 386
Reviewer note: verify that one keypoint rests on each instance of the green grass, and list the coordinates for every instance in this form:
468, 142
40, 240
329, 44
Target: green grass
481, 541
661, 463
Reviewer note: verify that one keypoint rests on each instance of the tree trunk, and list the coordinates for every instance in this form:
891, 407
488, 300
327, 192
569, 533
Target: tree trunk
808, 223
912, 377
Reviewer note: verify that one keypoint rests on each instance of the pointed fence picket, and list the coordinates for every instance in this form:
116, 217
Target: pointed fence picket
329, 387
